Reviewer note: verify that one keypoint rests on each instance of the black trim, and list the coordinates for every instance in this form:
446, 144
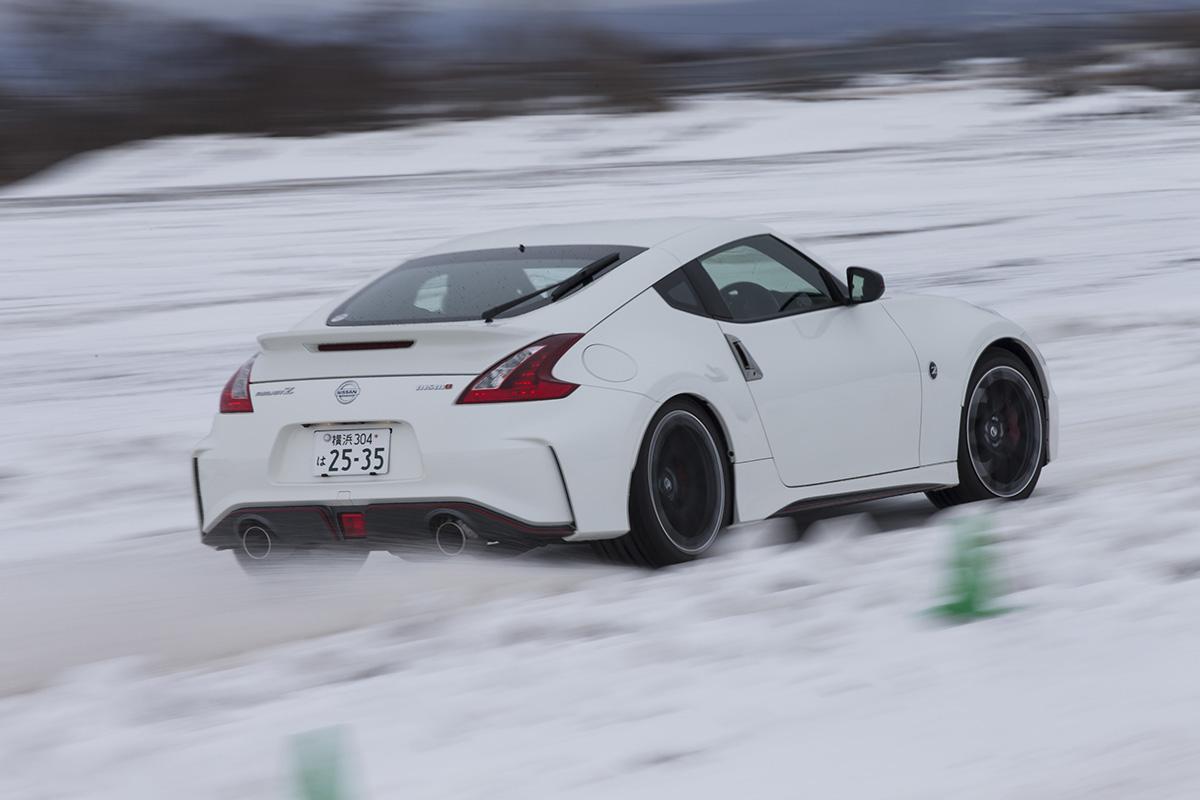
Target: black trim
340, 347
873, 285
389, 525
379, 375
750, 369
196, 489
676, 278
849, 498
707, 290
563, 478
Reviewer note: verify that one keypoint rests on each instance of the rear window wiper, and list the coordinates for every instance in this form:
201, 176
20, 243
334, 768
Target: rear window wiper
557, 290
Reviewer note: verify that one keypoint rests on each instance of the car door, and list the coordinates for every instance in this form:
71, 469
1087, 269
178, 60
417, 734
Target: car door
837, 386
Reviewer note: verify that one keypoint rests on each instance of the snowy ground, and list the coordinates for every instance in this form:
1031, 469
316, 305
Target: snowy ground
135, 282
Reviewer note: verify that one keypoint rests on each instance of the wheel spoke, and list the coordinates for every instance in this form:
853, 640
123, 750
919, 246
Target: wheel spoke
687, 482
1004, 425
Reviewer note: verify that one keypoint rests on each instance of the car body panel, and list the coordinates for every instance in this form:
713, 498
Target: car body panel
952, 335
532, 461
675, 353
848, 403
840, 395
448, 348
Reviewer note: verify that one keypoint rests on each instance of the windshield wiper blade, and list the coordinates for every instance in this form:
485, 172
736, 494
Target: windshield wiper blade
583, 277
557, 290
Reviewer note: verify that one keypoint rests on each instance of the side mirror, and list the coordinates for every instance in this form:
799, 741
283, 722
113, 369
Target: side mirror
866, 285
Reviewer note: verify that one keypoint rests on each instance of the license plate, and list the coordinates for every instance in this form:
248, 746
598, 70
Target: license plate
351, 451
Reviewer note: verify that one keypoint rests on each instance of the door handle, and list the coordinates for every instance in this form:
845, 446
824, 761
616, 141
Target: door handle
749, 367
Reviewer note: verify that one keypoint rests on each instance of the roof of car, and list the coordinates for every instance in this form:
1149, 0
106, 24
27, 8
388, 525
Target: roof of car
634, 232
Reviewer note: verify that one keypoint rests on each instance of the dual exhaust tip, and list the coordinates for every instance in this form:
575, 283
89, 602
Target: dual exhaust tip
257, 543
451, 536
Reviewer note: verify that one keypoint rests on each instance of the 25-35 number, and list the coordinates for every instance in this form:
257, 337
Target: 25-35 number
344, 459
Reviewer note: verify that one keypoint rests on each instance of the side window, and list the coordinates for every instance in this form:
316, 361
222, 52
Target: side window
762, 278
677, 290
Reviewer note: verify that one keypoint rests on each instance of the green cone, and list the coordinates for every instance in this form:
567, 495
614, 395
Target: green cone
318, 765
970, 591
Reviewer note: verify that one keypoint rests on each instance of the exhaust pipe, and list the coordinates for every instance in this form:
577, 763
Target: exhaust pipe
257, 542
451, 537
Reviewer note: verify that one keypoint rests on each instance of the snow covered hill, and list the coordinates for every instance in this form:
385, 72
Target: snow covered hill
136, 280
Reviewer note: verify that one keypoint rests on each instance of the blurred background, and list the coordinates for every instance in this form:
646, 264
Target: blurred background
179, 177
77, 75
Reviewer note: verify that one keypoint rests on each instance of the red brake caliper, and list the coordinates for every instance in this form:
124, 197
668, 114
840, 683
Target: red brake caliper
1014, 427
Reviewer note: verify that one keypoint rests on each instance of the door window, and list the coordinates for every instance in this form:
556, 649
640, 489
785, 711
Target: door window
762, 278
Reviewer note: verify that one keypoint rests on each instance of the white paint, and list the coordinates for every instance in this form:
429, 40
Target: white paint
754, 673
840, 395
609, 364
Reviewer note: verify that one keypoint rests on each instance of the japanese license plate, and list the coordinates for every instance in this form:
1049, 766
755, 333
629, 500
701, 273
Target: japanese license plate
351, 451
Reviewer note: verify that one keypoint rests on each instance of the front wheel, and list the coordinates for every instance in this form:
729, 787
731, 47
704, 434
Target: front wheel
680, 496
1002, 437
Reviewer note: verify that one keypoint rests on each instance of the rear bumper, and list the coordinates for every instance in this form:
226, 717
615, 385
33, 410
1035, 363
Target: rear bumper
552, 469
389, 526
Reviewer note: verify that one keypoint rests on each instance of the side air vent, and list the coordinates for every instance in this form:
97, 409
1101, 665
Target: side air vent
749, 366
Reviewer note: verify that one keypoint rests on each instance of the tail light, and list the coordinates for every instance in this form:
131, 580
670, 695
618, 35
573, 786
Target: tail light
235, 399
524, 375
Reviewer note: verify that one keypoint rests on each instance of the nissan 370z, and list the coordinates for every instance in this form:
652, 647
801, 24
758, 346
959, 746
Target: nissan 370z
637, 385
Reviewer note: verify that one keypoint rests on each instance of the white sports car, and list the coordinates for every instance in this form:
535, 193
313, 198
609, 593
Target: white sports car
639, 385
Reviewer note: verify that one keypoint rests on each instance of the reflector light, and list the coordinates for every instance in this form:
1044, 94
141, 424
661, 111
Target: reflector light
524, 375
354, 525
235, 398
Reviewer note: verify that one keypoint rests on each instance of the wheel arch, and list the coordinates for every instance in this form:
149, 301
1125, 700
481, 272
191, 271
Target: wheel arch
644, 544
1024, 353
714, 416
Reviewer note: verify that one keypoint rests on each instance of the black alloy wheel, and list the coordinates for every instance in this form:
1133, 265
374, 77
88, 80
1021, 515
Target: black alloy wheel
681, 490
1002, 434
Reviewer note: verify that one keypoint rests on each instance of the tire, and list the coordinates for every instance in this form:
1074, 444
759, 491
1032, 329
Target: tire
1001, 434
681, 491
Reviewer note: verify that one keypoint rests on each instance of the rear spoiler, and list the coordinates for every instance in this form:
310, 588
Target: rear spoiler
330, 339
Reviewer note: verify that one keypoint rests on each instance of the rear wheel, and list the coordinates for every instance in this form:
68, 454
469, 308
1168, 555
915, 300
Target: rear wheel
681, 495
1002, 438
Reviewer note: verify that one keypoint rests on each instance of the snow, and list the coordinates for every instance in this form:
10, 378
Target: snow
720, 128
139, 665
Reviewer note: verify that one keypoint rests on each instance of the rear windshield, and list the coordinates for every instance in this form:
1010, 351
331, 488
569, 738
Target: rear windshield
461, 286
